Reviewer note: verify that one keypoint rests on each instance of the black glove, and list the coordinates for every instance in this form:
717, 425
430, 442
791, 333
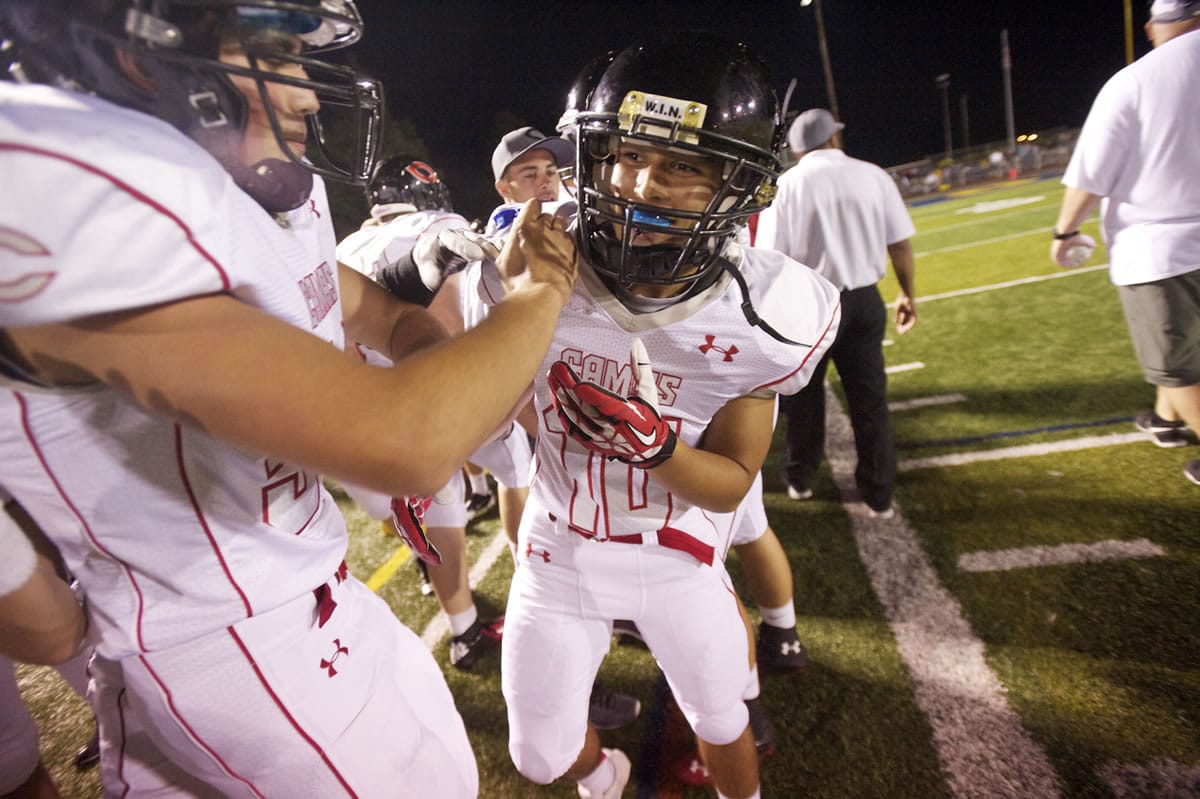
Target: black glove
417, 276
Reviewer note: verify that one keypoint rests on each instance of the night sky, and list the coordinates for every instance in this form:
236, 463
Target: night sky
465, 71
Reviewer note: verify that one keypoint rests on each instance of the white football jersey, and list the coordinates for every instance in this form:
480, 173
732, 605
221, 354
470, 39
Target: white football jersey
377, 244
171, 533
703, 353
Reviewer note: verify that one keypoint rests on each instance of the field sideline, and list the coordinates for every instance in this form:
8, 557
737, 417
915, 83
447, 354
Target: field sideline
1025, 626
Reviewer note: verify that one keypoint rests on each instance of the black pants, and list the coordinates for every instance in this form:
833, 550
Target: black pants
857, 352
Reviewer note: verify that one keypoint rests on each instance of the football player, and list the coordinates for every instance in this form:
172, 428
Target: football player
172, 323
410, 204
655, 405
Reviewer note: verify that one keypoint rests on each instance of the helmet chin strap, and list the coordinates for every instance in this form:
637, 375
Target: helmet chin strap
748, 308
275, 184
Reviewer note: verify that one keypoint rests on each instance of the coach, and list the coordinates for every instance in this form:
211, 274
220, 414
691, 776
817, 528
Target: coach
1140, 149
844, 218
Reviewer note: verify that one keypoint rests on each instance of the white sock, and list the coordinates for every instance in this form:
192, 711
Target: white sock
601, 778
461, 622
479, 484
751, 691
783, 616
756, 795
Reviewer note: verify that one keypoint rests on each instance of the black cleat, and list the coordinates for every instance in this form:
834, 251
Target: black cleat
609, 710
89, 755
780, 650
761, 728
479, 639
480, 504
426, 585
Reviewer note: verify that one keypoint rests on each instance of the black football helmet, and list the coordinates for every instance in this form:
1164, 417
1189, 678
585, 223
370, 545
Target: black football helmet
692, 91
408, 181
176, 44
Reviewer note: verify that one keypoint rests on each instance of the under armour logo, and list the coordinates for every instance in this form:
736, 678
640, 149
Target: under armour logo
696, 767
543, 554
338, 651
709, 345
790, 648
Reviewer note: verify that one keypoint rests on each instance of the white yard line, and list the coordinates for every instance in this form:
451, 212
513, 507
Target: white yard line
1062, 554
1024, 451
1162, 778
984, 242
904, 367
986, 218
438, 627
1008, 284
981, 745
925, 402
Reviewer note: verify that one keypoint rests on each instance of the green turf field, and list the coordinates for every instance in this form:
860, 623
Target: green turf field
1075, 676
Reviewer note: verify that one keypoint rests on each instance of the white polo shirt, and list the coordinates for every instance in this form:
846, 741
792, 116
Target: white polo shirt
836, 214
1140, 150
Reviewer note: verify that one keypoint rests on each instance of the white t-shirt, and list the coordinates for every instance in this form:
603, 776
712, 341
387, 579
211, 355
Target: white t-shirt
1140, 150
836, 214
171, 533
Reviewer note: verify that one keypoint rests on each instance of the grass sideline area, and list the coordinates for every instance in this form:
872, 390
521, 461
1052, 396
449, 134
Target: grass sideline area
1076, 677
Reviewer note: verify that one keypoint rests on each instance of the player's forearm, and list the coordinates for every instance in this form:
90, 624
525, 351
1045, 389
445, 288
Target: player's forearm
711, 481
41, 622
904, 265
1077, 206
474, 381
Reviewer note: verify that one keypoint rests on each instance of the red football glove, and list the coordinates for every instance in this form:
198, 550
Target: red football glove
629, 429
408, 514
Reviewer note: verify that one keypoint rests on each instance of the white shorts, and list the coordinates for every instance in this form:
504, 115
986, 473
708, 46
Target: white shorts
750, 519
278, 705
452, 513
558, 627
508, 458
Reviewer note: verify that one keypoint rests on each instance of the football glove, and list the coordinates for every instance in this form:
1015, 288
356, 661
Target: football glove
408, 515
417, 276
629, 429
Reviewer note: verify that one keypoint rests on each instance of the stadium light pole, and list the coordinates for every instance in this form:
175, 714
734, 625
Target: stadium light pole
1006, 69
1128, 32
943, 84
833, 103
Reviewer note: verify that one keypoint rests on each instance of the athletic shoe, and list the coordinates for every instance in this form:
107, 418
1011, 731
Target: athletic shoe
780, 650
876, 513
628, 634
89, 755
690, 770
609, 710
1191, 471
761, 728
799, 494
479, 639
1163, 433
480, 504
622, 766
426, 585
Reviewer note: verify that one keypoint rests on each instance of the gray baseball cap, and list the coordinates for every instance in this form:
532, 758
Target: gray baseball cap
812, 129
1164, 11
520, 141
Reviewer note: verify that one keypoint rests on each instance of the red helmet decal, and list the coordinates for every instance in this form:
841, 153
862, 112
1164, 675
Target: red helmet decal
422, 172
